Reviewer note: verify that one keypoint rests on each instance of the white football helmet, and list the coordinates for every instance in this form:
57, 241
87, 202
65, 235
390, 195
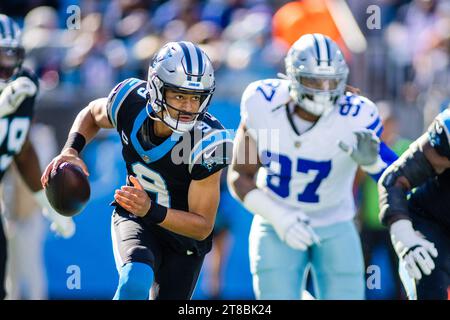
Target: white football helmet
184, 67
317, 71
12, 52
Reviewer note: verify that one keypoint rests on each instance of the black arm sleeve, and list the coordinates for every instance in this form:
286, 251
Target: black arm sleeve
414, 166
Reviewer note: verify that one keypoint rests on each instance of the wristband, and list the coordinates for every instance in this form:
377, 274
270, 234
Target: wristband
76, 141
156, 214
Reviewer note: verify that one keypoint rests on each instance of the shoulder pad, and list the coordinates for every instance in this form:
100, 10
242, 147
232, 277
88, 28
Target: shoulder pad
208, 122
260, 98
361, 112
119, 94
211, 151
439, 133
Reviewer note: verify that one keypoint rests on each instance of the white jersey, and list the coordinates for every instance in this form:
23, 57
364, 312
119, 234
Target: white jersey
307, 171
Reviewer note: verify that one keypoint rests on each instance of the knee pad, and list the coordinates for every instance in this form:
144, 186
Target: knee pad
135, 282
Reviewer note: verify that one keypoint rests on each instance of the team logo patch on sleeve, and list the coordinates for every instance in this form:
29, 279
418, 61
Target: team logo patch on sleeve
211, 160
211, 150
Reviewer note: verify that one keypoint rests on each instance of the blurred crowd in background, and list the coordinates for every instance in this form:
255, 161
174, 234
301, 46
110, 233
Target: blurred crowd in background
404, 69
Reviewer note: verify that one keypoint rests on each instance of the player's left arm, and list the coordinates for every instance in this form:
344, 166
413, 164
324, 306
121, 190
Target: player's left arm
27, 163
203, 199
417, 165
197, 223
427, 157
386, 156
369, 152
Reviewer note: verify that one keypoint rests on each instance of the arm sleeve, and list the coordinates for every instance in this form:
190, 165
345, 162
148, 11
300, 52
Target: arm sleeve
413, 166
366, 116
387, 156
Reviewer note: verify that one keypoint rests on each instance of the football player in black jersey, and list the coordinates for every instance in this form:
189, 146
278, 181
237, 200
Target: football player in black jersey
419, 221
18, 90
174, 152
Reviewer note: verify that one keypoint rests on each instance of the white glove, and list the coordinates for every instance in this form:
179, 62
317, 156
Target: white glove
13, 95
291, 225
367, 148
294, 229
412, 248
64, 226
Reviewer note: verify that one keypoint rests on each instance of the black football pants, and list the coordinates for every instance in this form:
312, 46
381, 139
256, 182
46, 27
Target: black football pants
435, 285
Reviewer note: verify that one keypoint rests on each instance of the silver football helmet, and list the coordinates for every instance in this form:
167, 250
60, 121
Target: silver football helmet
12, 52
183, 67
317, 71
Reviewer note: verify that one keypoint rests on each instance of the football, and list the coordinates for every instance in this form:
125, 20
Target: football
68, 189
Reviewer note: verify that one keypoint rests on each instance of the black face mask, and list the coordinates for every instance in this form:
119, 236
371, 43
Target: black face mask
11, 60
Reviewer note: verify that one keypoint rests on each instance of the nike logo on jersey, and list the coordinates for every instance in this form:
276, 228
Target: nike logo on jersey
124, 138
209, 154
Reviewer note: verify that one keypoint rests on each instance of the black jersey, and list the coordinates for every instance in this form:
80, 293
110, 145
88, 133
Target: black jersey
166, 167
432, 199
15, 126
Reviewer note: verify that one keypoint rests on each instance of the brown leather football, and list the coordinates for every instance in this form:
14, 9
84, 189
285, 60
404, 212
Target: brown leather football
68, 189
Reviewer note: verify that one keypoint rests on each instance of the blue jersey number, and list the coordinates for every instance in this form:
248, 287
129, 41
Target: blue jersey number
346, 108
350, 107
280, 174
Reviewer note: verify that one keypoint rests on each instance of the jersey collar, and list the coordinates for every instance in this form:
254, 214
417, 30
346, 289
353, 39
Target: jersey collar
157, 152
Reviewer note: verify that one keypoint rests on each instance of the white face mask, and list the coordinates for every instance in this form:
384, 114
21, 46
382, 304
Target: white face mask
181, 126
321, 105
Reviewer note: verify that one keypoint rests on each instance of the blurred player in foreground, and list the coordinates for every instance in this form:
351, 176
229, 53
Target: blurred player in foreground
419, 222
18, 90
174, 152
304, 137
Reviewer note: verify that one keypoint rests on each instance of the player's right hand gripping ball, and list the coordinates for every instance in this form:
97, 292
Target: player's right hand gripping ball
68, 189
